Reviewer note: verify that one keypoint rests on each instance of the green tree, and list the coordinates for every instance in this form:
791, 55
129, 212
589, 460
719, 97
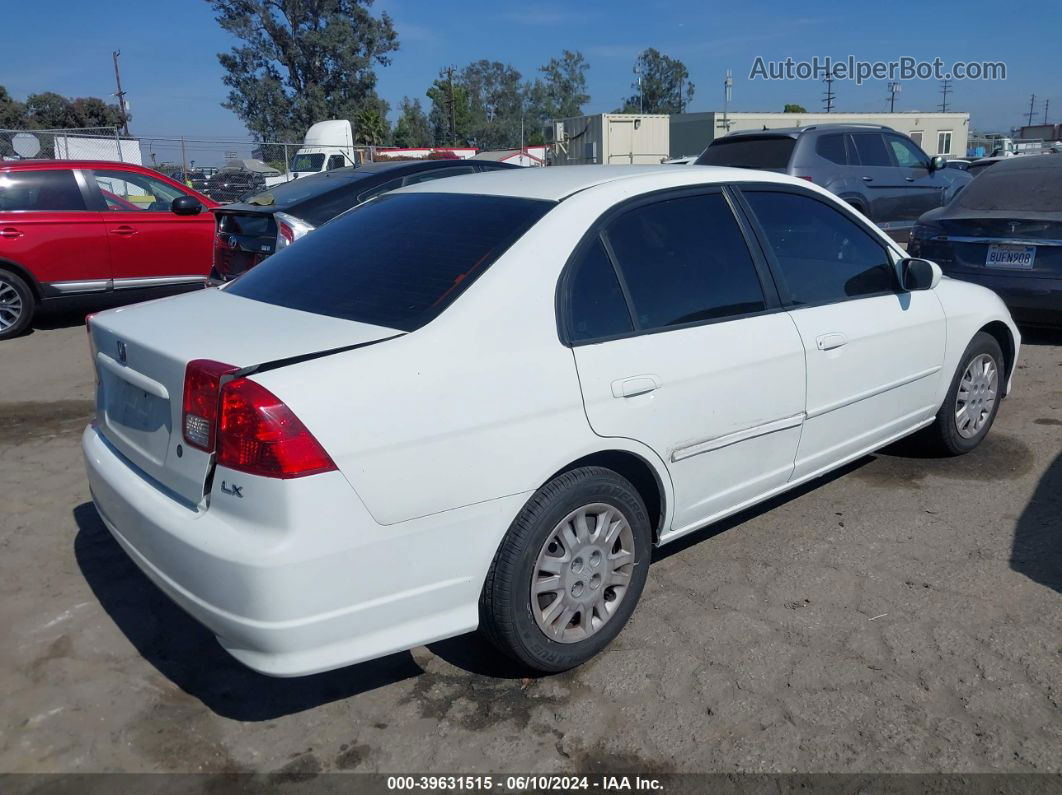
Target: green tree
302, 61
94, 112
413, 128
370, 127
12, 112
794, 108
664, 85
50, 111
496, 103
450, 103
560, 93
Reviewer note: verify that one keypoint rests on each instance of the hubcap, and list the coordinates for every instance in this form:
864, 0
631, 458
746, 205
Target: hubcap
10, 305
977, 396
582, 573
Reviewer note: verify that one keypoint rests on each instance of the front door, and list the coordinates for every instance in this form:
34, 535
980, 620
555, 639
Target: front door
925, 188
680, 344
874, 351
150, 245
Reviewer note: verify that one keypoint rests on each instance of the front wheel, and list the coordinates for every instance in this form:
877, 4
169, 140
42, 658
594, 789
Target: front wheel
972, 401
17, 304
569, 572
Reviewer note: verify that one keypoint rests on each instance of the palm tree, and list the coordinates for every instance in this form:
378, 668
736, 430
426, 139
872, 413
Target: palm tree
370, 126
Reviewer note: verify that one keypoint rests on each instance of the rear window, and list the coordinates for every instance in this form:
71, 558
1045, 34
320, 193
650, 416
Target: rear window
759, 152
40, 190
1037, 190
397, 261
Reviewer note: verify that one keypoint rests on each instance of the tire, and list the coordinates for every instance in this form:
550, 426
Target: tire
17, 304
950, 436
536, 550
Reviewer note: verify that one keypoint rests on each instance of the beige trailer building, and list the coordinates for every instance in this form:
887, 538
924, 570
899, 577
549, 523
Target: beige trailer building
937, 133
608, 138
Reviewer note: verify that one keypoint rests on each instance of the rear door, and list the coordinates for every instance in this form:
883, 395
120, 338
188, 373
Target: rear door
47, 227
874, 352
150, 245
680, 344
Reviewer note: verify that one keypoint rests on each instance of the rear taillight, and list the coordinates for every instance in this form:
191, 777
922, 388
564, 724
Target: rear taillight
260, 435
202, 390
290, 229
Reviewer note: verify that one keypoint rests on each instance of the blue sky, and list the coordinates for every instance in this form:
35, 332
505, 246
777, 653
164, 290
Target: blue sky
173, 80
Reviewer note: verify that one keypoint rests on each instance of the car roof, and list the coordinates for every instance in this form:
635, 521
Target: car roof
53, 163
556, 183
795, 132
1023, 162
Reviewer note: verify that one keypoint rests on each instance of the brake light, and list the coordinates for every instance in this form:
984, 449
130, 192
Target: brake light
260, 435
202, 389
290, 229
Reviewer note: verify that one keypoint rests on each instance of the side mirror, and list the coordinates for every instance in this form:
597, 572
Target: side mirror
919, 274
936, 163
186, 205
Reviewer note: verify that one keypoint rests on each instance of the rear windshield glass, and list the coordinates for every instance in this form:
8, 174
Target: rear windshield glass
1036, 190
748, 152
397, 261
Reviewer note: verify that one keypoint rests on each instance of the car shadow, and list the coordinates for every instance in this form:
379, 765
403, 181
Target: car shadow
1040, 335
1036, 551
187, 654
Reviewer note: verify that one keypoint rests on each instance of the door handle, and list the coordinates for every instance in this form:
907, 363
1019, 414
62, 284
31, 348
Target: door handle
827, 342
909, 179
125, 231
635, 385
867, 179
10, 232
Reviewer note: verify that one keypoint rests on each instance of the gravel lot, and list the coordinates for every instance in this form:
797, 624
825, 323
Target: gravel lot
902, 615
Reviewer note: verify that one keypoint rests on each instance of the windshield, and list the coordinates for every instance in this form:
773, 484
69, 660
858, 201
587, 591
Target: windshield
308, 162
397, 261
748, 152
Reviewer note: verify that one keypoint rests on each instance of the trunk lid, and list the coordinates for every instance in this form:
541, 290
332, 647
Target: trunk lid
242, 239
141, 354
968, 240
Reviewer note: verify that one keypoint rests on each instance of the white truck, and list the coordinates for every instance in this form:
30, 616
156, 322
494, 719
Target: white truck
327, 145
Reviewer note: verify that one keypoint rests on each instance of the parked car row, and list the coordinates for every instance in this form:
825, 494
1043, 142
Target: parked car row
479, 402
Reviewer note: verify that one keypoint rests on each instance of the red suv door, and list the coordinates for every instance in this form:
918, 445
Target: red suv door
48, 232
149, 244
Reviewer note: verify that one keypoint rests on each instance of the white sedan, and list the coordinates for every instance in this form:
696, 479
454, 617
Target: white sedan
479, 402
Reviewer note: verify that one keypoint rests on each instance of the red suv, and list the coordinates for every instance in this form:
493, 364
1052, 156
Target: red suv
76, 228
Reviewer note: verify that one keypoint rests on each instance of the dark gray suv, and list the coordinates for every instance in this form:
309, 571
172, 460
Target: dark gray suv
881, 172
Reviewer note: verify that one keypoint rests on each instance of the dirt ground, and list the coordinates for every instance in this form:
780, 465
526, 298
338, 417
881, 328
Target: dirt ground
904, 614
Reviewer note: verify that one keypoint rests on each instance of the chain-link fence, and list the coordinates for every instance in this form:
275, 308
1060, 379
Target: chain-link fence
83, 143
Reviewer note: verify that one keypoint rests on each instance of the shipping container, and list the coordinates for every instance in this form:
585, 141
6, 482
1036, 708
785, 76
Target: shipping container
609, 138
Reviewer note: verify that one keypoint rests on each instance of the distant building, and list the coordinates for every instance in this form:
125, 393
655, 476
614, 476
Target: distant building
528, 156
937, 133
608, 138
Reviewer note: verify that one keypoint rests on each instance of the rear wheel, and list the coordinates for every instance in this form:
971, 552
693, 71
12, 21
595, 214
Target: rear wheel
17, 304
973, 399
569, 572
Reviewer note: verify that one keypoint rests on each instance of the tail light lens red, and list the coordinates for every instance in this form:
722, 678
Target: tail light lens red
809, 179
260, 435
252, 429
202, 386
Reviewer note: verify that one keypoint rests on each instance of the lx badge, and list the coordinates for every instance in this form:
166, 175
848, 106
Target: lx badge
234, 490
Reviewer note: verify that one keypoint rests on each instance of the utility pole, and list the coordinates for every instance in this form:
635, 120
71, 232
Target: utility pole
728, 86
1047, 103
829, 96
119, 93
894, 89
945, 87
1032, 109
452, 105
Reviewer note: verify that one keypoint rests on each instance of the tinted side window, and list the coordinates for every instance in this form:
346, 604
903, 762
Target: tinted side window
596, 307
40, 190
871, 149
832, 148
823, 255
685, 260
906, 153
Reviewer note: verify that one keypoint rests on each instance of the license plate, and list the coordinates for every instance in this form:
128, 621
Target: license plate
1013, 257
